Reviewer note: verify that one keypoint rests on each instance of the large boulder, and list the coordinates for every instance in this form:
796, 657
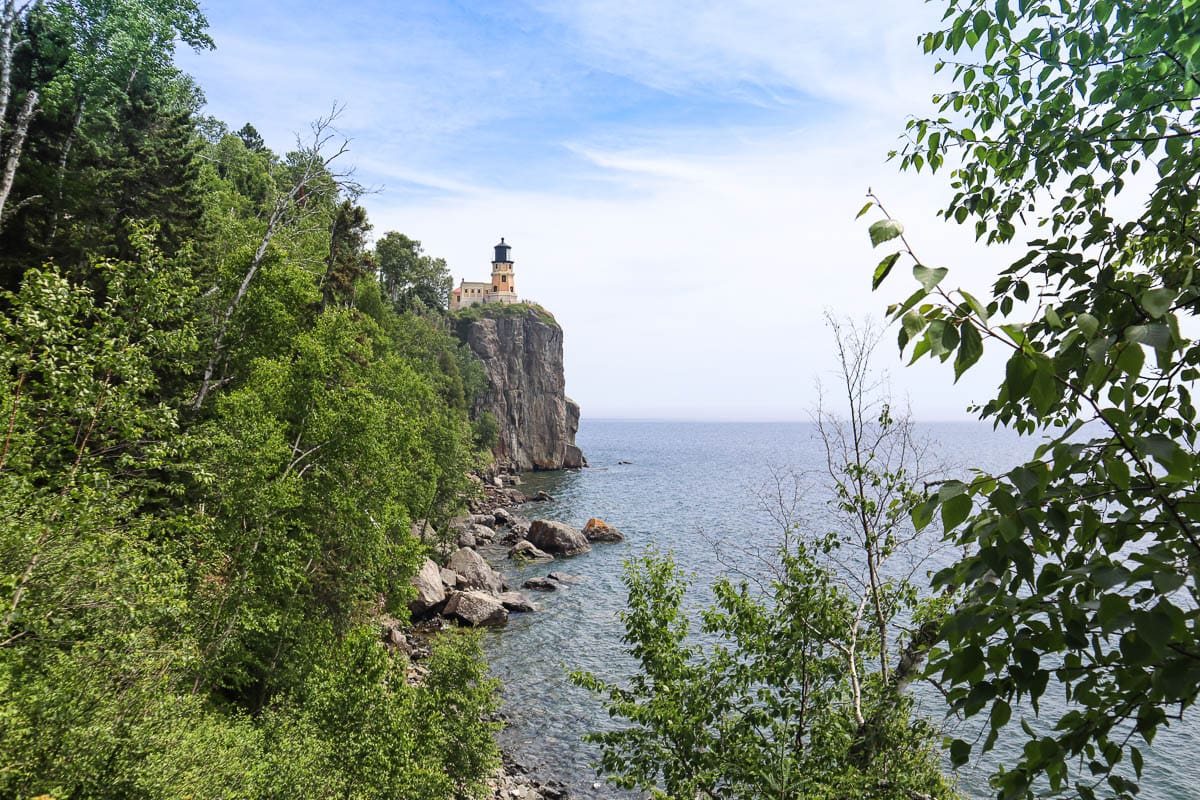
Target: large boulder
504, 517
430, 593
597, 530
473, 572
525, 551
476, 608
517, 602
541, 585
557, 538
449, 578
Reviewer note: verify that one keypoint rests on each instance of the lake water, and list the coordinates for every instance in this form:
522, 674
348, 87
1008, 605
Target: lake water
695, 489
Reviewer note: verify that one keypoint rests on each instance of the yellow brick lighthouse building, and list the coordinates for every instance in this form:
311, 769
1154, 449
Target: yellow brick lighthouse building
502, 289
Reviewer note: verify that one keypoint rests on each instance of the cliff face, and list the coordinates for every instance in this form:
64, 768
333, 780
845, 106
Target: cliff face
522, 353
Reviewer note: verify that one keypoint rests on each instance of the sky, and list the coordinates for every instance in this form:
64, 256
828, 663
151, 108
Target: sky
678, 180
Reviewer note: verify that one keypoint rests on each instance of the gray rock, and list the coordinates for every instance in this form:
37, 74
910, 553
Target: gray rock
449, 578
482, 533
563, 577
394, 637
542, 497
522, 358
557, 538
465, 539
487, 520
572, 455
421, 529
503, 516
541, 585
525, 551
476, 608
517, 602
597, 530
430, 594
474, 572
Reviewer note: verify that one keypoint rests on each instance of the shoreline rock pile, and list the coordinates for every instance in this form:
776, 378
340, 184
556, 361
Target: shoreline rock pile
466, 589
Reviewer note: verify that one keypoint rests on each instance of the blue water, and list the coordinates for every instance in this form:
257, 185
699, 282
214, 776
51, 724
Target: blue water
696, 489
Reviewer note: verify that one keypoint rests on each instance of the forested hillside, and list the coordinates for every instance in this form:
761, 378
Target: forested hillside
220, 414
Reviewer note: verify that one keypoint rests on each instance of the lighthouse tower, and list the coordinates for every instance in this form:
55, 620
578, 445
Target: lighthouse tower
504, 289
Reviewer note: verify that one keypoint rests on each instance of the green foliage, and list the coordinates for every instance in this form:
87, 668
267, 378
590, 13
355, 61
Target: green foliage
411, 278
1082, 566
765, 711
110, 142
498, 310
800, 689
486, 431
214, 436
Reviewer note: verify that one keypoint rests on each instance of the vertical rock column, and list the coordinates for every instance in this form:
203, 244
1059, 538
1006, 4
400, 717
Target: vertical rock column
523, 358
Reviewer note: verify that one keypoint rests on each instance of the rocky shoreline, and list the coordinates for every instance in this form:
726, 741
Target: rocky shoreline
466, 589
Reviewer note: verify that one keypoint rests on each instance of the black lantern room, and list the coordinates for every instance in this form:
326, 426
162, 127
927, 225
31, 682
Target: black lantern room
502, 253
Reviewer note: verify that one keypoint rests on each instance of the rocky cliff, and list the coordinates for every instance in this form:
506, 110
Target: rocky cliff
521, 349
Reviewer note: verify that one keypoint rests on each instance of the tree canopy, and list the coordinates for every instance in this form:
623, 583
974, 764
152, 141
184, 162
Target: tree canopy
1081, 571
411, 278
215, 439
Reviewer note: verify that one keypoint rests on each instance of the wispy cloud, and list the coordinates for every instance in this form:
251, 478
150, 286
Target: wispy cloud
678, 179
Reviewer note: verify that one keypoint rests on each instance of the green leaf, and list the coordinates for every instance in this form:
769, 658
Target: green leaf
922, 513
1118, 473
1019, 374
1156, 335
955, 511
960, 752
969, 349
929, 278
1044, 390
865, 209
976, 306
1155, 628
1001, 714
1158, 302
881, 271
913, 323
884, 230
1097, 349
1088, 324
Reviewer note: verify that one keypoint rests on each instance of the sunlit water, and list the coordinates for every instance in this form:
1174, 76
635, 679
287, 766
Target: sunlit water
694, 489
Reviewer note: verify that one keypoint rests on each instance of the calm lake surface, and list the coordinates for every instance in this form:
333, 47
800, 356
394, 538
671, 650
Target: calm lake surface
694, 488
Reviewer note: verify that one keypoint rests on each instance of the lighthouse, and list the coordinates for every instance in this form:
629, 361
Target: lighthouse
502, 288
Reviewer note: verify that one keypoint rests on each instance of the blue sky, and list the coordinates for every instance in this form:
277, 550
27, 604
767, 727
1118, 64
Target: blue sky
678, 179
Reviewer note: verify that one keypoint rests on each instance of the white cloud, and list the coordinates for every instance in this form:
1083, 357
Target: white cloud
858, 53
